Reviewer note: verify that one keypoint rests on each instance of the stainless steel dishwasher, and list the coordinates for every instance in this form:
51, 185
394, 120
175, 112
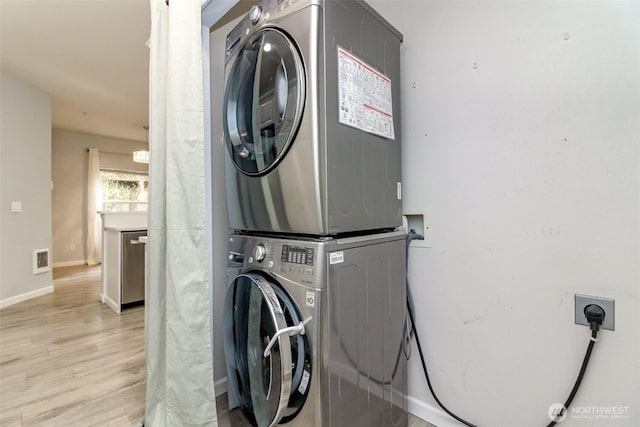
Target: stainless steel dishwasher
132, 280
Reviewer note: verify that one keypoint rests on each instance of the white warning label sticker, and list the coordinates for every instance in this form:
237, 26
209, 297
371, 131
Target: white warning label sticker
304, 382
364, 96
336, 257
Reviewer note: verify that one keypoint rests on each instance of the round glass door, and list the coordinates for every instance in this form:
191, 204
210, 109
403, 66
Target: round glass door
272, 381
263, 102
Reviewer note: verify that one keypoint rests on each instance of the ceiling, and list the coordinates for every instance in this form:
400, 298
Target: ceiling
89, 55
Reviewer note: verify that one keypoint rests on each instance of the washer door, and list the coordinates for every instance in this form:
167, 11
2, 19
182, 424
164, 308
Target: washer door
263, 102
271, 388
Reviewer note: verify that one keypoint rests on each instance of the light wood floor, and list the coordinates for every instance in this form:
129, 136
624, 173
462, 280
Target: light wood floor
67, 360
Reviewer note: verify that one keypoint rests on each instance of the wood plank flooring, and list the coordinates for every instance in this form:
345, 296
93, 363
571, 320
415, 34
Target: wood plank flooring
68, 360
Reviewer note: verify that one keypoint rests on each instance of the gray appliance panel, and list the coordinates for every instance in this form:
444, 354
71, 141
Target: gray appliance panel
367, 328
132, 280
362, 170
358, 323
333, 179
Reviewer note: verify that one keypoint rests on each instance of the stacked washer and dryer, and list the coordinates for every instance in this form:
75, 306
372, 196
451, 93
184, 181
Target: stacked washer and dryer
315, 312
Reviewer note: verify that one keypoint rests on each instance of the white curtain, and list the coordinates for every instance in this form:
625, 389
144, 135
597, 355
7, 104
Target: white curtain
94, 204
178, 333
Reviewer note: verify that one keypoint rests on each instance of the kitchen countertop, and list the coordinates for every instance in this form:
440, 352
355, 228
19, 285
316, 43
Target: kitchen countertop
122, 212
116, 228
124, 221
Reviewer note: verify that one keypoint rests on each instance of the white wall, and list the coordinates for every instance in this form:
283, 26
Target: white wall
522, 138
25, 175
69, 174
521, 127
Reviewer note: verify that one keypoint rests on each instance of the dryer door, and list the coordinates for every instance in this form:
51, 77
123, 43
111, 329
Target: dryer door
271, 387
263, 102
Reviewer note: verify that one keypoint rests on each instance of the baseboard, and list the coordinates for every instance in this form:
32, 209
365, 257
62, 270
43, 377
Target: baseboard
429, 413
69, 263
111, 303
26, 296
220, 386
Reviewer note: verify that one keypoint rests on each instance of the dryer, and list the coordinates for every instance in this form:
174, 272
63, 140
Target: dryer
315, 330
311, 119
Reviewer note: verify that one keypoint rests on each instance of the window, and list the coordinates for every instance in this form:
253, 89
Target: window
124, 191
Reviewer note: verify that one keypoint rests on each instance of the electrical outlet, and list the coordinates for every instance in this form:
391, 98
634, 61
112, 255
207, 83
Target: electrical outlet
607, 304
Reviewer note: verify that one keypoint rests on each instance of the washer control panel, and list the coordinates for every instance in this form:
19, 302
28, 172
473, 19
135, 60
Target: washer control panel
297, 255
296, 260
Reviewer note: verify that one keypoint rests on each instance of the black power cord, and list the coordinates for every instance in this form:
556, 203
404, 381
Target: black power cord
412, 235
426, 375
594, 314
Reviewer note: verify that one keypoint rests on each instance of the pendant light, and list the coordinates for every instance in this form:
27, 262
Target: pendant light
142, 156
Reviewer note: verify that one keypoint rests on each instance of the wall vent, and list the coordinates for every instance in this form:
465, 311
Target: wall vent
40, 261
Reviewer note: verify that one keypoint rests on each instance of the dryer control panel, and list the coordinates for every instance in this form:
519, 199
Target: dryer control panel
267, 13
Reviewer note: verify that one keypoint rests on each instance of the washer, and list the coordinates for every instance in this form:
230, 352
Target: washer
311, 119
315, 330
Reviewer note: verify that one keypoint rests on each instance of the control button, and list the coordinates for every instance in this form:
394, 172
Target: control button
250, 259
259, 252
308, 271
255, 13
270, 264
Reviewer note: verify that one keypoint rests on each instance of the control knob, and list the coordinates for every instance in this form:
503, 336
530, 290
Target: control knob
259, 252
255, 13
